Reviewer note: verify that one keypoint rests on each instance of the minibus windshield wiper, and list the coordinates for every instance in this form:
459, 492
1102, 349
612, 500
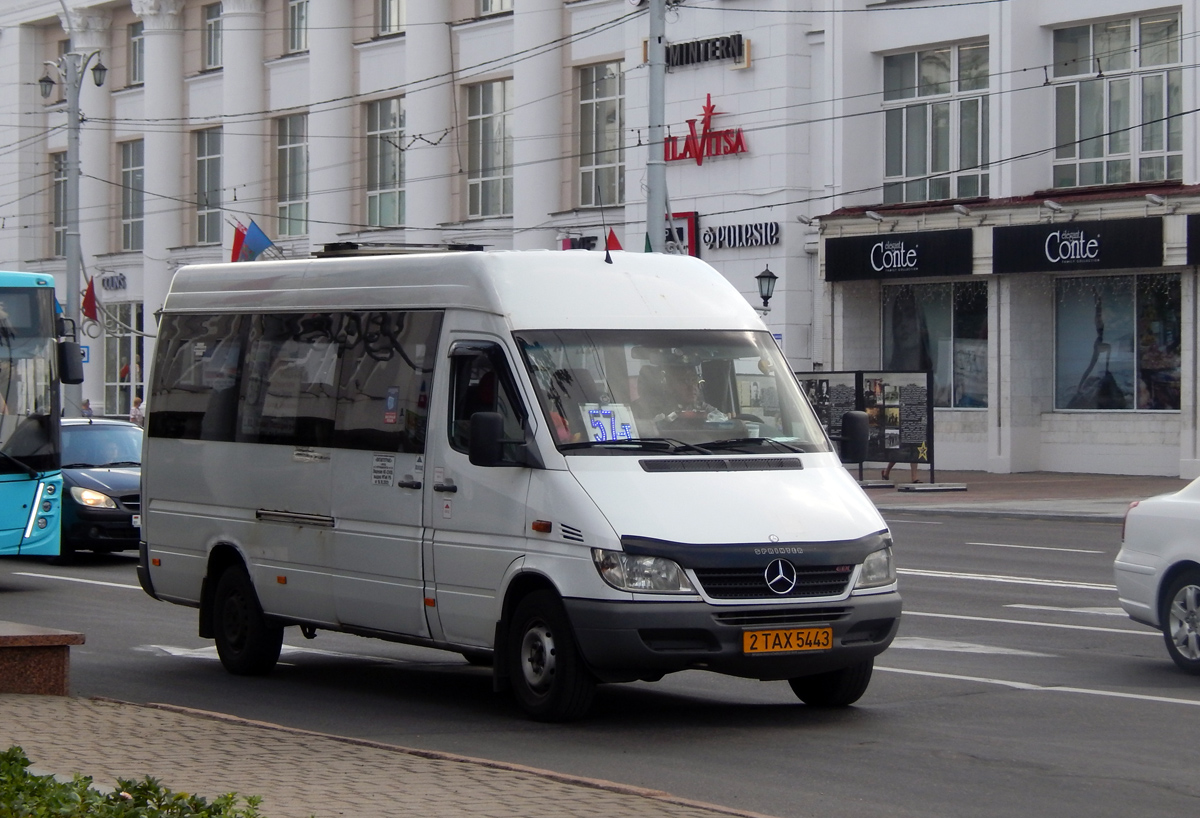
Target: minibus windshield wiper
736, 442
641, 443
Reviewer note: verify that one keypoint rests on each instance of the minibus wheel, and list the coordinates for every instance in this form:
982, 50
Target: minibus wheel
246, 643
837, 688
548, 675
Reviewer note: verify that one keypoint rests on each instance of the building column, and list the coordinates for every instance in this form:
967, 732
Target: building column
165, 149
331, 120
430, 164
537, 125
246, 131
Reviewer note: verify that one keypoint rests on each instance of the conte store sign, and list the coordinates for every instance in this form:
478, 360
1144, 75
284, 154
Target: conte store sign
706, 142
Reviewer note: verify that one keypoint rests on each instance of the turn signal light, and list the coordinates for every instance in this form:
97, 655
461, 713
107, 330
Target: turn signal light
281, 580
542, 526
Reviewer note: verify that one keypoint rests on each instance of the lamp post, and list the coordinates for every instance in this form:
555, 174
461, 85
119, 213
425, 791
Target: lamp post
71, 68
766, 288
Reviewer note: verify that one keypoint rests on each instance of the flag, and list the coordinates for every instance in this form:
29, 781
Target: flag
239, 236
249, 242
89, 301
611, 243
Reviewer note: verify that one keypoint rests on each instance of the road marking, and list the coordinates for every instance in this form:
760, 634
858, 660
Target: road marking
921, 643
1048, 583
918, 522
1033, 624
77, 579
1038, 547
1042, 688
1097, 611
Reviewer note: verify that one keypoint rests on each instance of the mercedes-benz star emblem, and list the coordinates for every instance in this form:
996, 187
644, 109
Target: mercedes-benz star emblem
780, 576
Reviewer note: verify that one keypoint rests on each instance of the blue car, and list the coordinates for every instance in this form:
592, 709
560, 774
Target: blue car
102, 472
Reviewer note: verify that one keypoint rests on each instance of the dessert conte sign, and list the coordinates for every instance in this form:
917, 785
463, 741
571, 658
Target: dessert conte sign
705, 143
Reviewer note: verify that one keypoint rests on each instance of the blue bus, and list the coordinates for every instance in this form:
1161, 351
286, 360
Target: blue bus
34, 362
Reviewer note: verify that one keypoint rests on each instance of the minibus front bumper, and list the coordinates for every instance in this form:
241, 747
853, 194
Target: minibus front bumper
623, 641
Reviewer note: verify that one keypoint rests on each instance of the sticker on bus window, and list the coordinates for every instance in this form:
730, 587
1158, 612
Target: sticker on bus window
609, 421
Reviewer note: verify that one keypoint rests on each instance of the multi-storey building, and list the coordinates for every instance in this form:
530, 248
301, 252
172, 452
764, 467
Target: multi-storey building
997, 190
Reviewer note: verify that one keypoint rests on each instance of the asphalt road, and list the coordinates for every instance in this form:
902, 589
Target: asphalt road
1016, 687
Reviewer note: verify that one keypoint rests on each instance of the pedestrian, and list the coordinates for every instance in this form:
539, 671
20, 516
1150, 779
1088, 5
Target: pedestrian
86, 408
138, 416
912, 467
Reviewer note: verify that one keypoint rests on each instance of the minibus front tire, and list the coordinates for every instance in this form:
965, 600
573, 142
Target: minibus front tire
246, 643
547, 671
837, 688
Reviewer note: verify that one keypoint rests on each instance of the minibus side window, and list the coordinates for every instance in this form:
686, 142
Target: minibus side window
289, 384
385, 372
482, 382
197, 367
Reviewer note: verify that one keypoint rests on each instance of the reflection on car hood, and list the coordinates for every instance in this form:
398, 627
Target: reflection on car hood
110, 481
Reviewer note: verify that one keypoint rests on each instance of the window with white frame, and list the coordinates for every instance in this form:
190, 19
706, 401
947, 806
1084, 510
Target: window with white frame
123, 349
936, 124
136, 65
385, 162
297, 26
133, 208
601, 134
58, 177
208, 186
1118, 102
291, 169
391, 16
486, 7
489, 149
212, 36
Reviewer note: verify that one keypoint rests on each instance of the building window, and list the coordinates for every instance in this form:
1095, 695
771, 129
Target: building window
936, 124
1118, 102
601, 134
391, 16
385, 163
133, 210
212, 36
292, 173
1117, 342
122, 357
297, 25
208, 186
486, 7
943, 328
137, 54
489, 149
58, 176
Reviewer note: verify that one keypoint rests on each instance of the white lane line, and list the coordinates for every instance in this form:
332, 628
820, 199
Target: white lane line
1060, 626
77, 579
1096, 611
1087, 691
918, 522
921, 643
1046, 583
1037, 547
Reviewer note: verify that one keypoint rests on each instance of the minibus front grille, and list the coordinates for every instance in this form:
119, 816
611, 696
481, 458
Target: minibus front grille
709, 464
776, 617
751, 583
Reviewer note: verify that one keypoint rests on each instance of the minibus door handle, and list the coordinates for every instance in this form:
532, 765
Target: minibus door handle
448, 487
408, 483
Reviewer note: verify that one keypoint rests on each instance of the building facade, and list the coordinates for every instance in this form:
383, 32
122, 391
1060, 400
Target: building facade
896, 163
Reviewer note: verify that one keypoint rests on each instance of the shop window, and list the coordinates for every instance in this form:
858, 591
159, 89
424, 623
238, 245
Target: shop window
943, 328
123, 347
1117, 342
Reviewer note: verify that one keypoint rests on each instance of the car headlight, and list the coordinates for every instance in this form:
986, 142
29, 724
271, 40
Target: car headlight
877, 569
91, 499
626, 572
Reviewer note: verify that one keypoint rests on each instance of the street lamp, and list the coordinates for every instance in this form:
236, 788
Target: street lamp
70, 68
766, 287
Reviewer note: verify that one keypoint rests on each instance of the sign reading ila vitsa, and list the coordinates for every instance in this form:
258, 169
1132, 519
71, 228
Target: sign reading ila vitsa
899, 255
705, 142
762, 234
1115, 244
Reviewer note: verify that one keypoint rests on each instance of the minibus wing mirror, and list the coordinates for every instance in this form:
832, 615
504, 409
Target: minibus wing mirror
487, 439
854, 437
70, 362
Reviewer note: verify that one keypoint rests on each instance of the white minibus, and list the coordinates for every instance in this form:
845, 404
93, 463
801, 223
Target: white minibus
574, 469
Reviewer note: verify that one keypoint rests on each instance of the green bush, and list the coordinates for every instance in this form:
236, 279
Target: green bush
25, 795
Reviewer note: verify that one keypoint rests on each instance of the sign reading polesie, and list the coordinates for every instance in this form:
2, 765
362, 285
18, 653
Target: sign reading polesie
706, 142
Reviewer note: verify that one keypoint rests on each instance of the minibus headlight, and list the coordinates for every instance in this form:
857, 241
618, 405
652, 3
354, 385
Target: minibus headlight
91, 499
877, 569
628, 572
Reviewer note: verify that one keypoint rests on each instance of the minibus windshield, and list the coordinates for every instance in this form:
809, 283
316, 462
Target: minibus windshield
669, 391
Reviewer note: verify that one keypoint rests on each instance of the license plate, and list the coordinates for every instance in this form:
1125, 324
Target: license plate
137, 520
782, 641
